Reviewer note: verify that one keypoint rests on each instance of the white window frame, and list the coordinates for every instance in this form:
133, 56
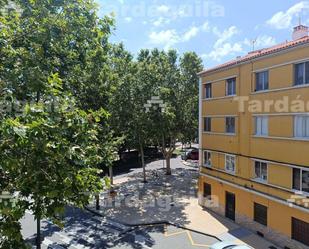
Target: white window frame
261, 126
227, 156
208, 84
260, 178
304, 126
304, 76
207, 164
226, 130
233, 88
264, 81
301, 181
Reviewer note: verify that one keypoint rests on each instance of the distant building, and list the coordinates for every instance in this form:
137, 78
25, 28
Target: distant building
254, 140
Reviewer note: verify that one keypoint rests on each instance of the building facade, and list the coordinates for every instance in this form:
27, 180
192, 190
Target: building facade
254, 141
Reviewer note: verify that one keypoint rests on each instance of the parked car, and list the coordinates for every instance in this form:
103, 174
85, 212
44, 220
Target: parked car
191, 154
229, 245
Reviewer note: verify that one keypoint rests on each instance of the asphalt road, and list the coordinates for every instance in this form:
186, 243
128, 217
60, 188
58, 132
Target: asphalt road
84, 230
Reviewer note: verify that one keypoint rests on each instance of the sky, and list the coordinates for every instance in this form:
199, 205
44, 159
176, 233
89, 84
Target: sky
217, 30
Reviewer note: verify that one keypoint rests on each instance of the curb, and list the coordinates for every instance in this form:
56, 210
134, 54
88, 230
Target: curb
154, 224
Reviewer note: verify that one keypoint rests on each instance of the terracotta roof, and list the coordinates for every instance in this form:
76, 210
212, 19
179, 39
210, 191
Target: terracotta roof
259, 53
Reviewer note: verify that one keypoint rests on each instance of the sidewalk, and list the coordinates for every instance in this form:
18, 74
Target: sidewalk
174, 199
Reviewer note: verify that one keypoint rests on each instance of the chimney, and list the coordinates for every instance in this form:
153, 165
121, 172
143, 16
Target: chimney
300, 31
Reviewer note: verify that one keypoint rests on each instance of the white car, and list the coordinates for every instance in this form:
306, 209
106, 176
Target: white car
228, 245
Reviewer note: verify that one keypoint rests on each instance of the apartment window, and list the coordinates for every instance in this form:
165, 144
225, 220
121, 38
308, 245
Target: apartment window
300, 231
207, 158
260, 214
230, 163
231, 87
301, 126
302, 73
261, 126
207, 124
207, 190
208, 91
301, 180
230, 124
261, 81
260, 170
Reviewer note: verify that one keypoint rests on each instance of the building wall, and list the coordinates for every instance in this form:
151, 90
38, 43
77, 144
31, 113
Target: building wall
280, 150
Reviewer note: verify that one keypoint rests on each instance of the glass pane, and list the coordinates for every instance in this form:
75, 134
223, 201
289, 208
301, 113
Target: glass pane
259, 83
307, 73
257, 170
298, 126
305, 181
264, 171
299, 74
296, 179
265, 126
307, 127
265, 80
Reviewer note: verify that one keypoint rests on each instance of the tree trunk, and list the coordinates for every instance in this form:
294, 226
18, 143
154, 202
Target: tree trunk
38, 232
97, 202
168, 165
143, 163
111, 175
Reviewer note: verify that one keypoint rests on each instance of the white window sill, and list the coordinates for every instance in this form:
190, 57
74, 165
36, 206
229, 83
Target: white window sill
282, 138
230, 172
281, 89
208, 166
218, 98
219, 133
259, 180
299, 192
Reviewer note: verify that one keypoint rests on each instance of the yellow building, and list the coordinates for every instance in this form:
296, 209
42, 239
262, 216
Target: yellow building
254, 141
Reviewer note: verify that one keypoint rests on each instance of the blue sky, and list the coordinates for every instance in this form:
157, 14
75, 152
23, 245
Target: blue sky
217, 30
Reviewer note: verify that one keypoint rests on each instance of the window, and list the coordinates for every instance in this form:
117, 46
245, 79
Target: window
301, 126
230, 163
207, 190
260, 170
260, 214
230, 124
302, 73
207, 159
208, 91
207, 124
300, 231
261, 126
301, 180
231, 87
261, 81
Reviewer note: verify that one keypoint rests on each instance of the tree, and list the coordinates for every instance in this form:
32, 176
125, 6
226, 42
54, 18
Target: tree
190, 64
53, 50
176, 85
49, 156
56, 36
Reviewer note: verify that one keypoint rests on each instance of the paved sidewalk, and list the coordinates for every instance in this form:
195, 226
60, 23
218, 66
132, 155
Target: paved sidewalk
173, 199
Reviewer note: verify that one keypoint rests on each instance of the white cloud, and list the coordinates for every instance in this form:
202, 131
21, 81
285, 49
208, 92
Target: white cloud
167, 38
224, 35
128, 19
170, 37
225, 49
205, 26
261, 41
223, 46
163, 8
192, 32
283, 20
161, 21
